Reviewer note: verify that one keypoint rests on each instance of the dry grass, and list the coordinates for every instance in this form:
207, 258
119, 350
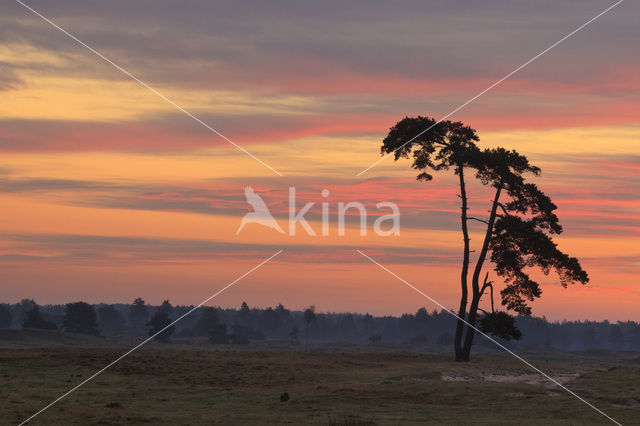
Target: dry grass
170, 386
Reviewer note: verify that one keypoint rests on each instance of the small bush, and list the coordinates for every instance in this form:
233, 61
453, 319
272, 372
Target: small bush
500, 324
375, 339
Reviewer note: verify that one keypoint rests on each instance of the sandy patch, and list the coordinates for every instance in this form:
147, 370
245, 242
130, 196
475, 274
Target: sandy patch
455, 378
530, 379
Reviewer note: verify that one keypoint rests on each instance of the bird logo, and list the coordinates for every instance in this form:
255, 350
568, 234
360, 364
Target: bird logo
260, 213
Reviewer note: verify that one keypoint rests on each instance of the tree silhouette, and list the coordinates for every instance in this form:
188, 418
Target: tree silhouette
110, 319
209, 325
293, 335
285, 321
500, 324
616, 338
368, 326
5, 316
218, 334
138, 314
245, 317
589, 339
347, 327
167, 307
158, 322
517, 231
208, 319
309, 317
25, 306
33, 319
80, 317
634, 338
270, 320
444, 339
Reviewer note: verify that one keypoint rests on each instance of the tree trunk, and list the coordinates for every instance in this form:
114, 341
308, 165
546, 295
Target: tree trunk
457, 345
475, 281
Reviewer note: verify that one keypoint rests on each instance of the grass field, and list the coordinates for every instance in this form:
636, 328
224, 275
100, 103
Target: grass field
165, 385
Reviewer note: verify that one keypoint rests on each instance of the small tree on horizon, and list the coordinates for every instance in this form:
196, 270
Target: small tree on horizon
5, 316
110, 319
33, 319
80, 317
207, 321
244, 315
589, 339
159, 321
517, 232
209, 325
167, 307
616, 337
294, 336
138, 314
24, 306
309, 317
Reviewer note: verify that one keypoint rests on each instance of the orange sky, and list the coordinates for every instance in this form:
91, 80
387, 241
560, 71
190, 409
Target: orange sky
109, 193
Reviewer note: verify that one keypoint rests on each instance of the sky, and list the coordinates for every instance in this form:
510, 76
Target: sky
108, 192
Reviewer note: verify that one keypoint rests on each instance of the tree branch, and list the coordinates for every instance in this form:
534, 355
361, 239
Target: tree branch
479, 220
484, 287
490, 284
504, 209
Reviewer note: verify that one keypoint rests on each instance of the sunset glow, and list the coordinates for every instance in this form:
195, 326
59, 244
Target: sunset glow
110, 193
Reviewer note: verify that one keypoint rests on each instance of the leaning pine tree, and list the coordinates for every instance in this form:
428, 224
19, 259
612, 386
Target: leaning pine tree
517, 233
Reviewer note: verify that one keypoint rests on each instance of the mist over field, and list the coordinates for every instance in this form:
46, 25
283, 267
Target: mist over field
247, 324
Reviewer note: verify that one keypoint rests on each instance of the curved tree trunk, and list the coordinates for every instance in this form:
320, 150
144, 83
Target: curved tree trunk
475, 281
457, 345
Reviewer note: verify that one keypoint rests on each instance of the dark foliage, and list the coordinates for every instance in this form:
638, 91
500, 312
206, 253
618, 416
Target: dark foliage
616, 337
500, 324
244, 317
110, 319
309, 317
206, 323
445, 144
241, 334
158, 324
519, 227
434, 327
520, 237
138, 314
445, 339
238, 339
5, 316
218, 334
209, 325
80, 317
33, 319
167, 307
294, 335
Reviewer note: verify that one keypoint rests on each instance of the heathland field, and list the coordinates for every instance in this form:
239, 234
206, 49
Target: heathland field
350, 385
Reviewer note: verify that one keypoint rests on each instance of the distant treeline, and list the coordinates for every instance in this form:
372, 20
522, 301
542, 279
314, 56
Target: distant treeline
238, 326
